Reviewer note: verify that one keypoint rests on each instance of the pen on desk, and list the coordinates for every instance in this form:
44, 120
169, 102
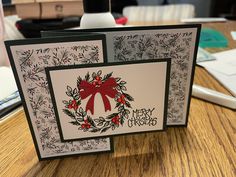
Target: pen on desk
214, 96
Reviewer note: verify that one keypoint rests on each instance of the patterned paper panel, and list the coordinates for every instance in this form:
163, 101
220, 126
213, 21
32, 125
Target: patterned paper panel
177, 42
29, 60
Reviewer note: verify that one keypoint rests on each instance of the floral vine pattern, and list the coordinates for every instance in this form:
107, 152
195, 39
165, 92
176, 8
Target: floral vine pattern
31, 64
177, 46
106, 85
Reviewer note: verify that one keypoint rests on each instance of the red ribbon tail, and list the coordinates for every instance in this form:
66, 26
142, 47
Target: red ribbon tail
106, 102
90, 104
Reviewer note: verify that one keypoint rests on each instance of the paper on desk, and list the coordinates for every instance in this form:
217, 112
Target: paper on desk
222, 69
225, 62
229, 82
7, 82
233, 34
203, 55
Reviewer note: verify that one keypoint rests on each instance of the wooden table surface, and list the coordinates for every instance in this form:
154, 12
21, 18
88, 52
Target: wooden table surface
205, 148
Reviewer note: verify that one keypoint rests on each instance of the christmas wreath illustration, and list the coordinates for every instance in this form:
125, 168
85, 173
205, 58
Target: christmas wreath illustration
108, 87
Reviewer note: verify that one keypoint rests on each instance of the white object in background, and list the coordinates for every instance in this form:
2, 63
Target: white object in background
228, 81
96, 15
214, 96
203, 20
2, 27
3, 53
7, 82
203, 55
161, 13
233, 34
225, 62
11, 32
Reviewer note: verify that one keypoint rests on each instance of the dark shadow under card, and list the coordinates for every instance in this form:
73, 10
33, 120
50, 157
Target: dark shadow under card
29, 58
178, 42
110, 99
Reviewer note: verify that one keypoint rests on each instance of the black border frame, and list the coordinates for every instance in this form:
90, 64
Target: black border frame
58, 39
98, 65
147, 28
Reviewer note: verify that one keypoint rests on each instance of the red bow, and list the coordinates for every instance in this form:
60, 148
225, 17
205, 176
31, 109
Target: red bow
105, 89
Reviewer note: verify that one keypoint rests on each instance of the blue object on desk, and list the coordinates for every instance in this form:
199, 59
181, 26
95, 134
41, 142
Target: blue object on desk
9, 103
212, 38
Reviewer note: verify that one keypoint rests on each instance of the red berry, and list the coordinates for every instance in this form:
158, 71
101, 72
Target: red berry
83, 126
119, 100
86, 121
98, 78
113, 120
88, 126
76, 107
122, 96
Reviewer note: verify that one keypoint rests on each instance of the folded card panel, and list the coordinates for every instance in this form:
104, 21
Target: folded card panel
110, 99
29, 58
177, 42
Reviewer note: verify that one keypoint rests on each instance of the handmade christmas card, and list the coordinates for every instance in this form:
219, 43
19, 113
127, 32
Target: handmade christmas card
177, 42
109, 99
29, 58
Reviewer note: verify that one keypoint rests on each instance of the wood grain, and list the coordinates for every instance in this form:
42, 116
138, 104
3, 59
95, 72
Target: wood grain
205, 148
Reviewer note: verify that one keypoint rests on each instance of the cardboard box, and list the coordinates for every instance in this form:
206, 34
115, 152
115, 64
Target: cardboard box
48, 9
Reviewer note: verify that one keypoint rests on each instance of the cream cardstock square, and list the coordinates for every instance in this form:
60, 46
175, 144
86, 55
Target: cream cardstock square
110, 99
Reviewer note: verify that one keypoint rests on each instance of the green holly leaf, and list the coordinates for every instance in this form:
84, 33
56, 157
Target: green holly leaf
69, 94
96, 120
113, 127
65, 102
90, 120
117, 105
101, 119
104, 129
69, 89
76, 97
128, 104
107, 76
69, 113
95, 130
74, 123
106, 124
123, 82
112, 115
123, 88
81, 110
99, 73
93, 75
127, 111
122, 121
75, 91
87, 76
118, 79
79, 79
84, 113
100, 124
130, 98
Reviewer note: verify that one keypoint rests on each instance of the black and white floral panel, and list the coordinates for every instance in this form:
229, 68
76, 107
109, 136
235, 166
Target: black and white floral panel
29, 60
178, 42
